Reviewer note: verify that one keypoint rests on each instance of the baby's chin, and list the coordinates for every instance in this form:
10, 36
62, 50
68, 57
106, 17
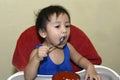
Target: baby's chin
61, 46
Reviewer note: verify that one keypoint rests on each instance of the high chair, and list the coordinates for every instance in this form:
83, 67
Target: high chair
105, 73
29, 39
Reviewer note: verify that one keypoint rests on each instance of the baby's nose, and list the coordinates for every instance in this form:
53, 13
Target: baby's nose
64, 30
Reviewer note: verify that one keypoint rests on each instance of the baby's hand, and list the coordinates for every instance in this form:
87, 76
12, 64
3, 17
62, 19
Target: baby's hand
42, 52
91, 74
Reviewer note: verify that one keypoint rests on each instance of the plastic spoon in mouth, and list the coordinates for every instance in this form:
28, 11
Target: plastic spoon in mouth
54, 46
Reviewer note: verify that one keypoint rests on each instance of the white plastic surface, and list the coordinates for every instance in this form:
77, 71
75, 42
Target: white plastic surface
105, 73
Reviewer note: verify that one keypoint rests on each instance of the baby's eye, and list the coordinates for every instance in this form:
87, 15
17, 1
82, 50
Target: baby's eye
57, 26
67, 26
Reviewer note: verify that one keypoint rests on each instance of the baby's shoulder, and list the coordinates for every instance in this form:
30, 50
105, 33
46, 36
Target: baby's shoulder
70, 46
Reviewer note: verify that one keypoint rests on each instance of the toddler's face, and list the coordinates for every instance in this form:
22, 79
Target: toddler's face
57, 28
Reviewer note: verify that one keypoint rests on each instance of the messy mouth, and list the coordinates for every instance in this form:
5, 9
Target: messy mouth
60, 42
62, 39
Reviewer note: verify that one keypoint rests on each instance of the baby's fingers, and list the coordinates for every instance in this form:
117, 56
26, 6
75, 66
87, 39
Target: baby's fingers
92, 77
86, 77
97, 77
42, 51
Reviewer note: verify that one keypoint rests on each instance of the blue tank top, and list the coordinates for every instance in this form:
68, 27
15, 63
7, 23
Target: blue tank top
47, 67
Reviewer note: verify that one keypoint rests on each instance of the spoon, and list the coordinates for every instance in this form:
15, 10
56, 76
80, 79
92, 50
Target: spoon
61, 40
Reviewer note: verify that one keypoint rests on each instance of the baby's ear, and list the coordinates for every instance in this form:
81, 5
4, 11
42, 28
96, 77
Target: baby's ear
42, 33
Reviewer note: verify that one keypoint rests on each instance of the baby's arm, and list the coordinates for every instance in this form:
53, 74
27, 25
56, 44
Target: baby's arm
36, 56
84, 63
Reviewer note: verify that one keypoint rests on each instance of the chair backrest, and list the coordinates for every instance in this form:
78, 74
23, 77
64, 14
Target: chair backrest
105, 73
29, 39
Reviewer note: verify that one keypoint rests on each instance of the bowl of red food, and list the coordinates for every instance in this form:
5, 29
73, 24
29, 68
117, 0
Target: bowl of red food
66, 76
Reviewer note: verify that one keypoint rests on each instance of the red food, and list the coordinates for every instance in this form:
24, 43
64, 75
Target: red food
66, 76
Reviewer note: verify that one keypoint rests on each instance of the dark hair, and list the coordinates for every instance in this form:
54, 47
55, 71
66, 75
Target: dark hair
44, 15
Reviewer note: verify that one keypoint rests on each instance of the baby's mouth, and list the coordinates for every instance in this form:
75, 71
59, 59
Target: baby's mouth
62, 39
